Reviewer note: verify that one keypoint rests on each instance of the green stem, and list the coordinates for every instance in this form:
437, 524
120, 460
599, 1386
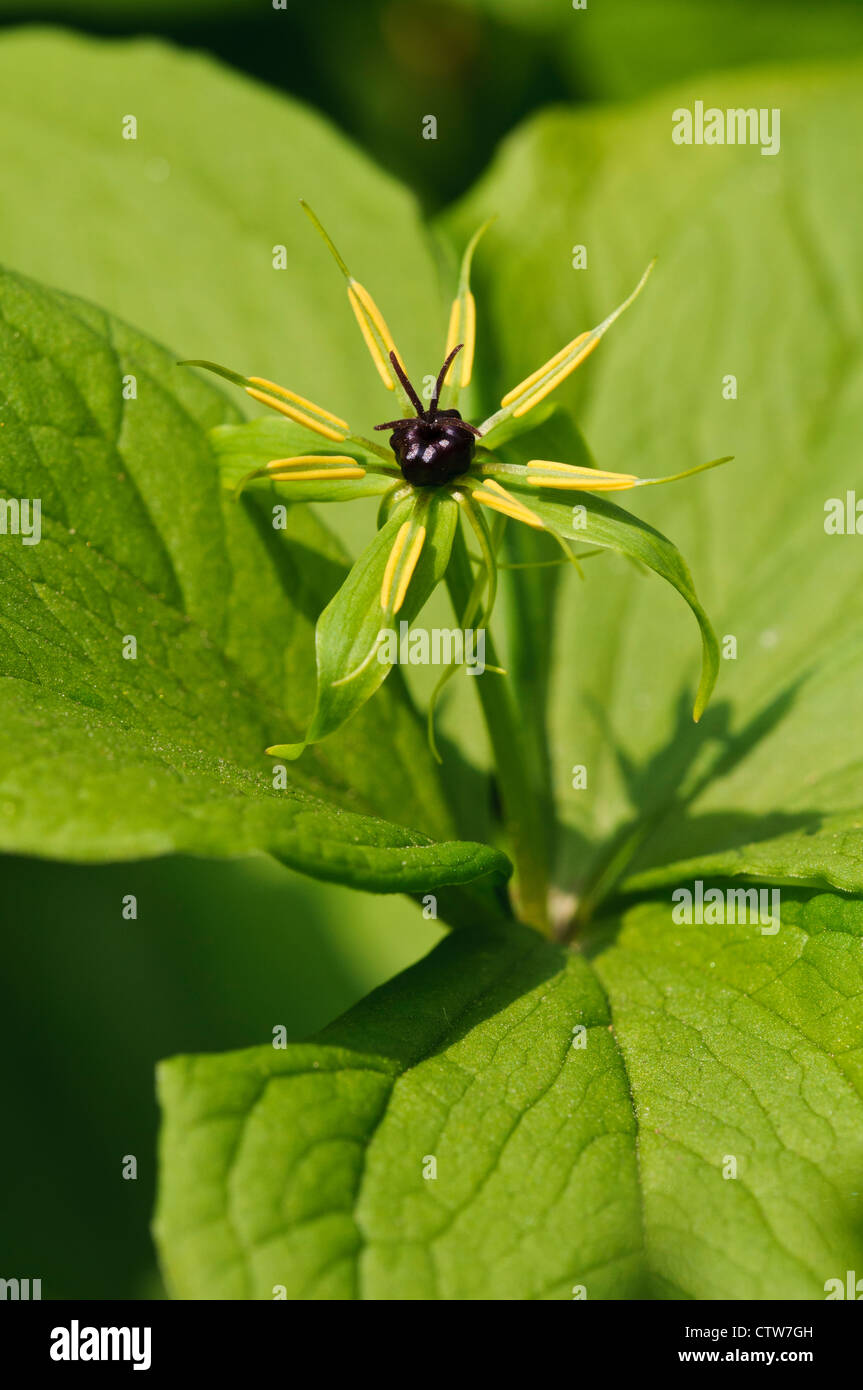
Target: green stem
522, 808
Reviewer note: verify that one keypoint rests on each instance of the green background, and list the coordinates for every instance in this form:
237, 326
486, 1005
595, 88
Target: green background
222, 952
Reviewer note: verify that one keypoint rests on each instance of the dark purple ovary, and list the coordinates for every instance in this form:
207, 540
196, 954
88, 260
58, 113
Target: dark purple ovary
433, 452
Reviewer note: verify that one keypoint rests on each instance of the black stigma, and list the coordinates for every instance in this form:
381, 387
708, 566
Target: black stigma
434, 446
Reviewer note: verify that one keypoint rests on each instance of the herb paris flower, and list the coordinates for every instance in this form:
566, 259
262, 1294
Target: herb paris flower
438, 466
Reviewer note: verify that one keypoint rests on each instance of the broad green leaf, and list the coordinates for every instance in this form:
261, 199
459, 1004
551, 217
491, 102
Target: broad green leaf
178, 229
467, 1060
826, 856
759, 277
746, 1046
352, 663
208, 190
160, 750
580, 1118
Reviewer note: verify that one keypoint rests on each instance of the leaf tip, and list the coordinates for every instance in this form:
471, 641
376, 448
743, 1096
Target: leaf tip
701, 702
291, 751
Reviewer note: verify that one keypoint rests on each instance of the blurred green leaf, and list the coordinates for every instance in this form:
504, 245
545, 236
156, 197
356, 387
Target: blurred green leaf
567, 1152
111, 752
131, 11
622, 50
375, 70
210, 188
219, 952
760, 277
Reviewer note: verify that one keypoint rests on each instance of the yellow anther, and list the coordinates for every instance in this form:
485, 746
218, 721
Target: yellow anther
469, 331
314, 474
541, 371
501, 491
298, 416
559, 467
394, 557
547, 378
517, 514
572, 475
462, 319
410, 564
373, 327
560, 375
297, 460
377, 356
499, 500
374, 313
300, 400
462, 329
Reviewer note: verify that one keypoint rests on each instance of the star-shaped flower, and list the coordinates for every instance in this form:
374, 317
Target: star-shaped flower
438, 467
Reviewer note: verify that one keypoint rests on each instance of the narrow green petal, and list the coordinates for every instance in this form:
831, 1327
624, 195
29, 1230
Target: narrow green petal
540, 383
346, 637
604, 524
243, 451
462, 323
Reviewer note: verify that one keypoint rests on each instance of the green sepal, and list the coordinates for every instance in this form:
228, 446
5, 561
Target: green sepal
241, 449
512, 428
349, 666
612, 528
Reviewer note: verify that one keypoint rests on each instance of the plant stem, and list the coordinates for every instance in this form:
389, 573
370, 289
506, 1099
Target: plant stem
526, 829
